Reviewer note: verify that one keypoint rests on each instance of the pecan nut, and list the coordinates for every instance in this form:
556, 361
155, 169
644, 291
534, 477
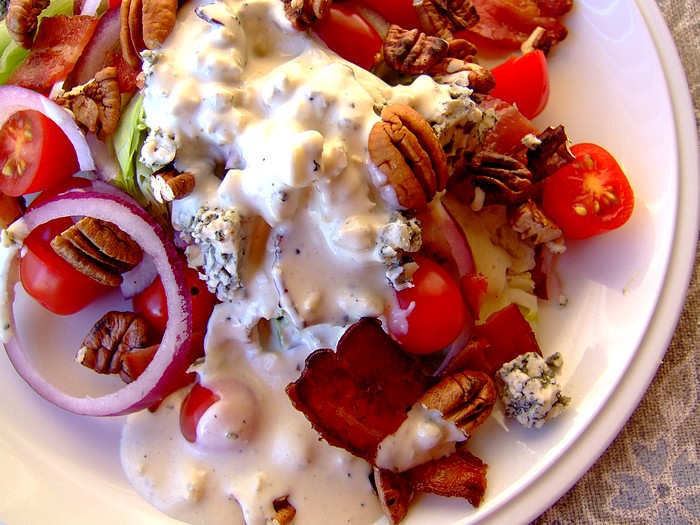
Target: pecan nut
111, 339
465, 398
550, 153
22, 20
169, 185
303, 13
406, 151
445, 17
503, 179
96, 105
145, 24
98, 249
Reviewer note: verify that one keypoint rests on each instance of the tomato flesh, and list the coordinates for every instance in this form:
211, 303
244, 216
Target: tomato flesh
151, 303
34, 153
196, 403
51, 280
432, 312
344, 31
590, 195
524, 82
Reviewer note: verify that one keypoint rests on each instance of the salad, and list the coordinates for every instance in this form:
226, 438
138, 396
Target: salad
334, 253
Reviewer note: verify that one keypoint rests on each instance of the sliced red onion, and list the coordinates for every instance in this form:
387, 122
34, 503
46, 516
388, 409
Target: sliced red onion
171, 357
103, 40
15, 98
138, 279
89, 7
106, 165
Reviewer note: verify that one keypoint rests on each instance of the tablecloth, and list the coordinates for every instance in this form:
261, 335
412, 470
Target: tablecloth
651, 472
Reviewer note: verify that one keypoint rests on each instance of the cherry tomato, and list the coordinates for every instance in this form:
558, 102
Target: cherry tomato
151, 305
196, 403
348, 34
60, 187
34, 153
399, 12
432, 312
11, 209
524, 82
49, 279
590, 195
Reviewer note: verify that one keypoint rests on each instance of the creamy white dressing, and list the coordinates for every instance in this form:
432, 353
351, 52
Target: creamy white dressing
275, 127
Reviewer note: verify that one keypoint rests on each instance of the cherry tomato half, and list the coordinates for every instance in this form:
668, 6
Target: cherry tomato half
432, 311
344, 31
49, 279
399, 12
196, 403
151, 305
34, 153
590, 195
524, 82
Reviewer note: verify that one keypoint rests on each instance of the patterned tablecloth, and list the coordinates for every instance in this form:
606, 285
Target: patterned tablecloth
651, 472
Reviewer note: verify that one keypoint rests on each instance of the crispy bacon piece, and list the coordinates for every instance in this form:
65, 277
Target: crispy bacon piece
356, 396
508, 23
461, 475
59, 42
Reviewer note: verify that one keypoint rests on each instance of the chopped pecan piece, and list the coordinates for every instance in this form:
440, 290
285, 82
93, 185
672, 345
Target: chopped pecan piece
96, 105
284, 512
549, 154
112, 337
465, 398
169, 185
99, 249
405, 149
303, 13
503, 179
22, 20
445, 17
534, 225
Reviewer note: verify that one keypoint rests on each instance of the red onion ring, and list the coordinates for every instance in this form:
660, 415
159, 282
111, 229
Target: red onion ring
103, 40
15, 98
171, 357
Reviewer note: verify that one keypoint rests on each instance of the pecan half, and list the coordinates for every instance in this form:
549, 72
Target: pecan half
303, 13
22, 20
412, 52
158, 21
465, 398
96, 105
99, 249
169, 185
504, 179
395, 494
445, 17
112, 337
145, 24
405, 149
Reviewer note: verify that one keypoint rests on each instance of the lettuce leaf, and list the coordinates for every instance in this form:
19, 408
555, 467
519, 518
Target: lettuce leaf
134, 177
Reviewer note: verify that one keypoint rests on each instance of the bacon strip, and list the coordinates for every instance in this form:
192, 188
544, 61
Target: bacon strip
508, 23
358, 395
58, 45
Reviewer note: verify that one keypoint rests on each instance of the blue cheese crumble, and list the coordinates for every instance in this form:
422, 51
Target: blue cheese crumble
399, 237
219, 241
529, 389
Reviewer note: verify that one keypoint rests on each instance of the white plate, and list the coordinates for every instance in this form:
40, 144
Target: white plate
617, 81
